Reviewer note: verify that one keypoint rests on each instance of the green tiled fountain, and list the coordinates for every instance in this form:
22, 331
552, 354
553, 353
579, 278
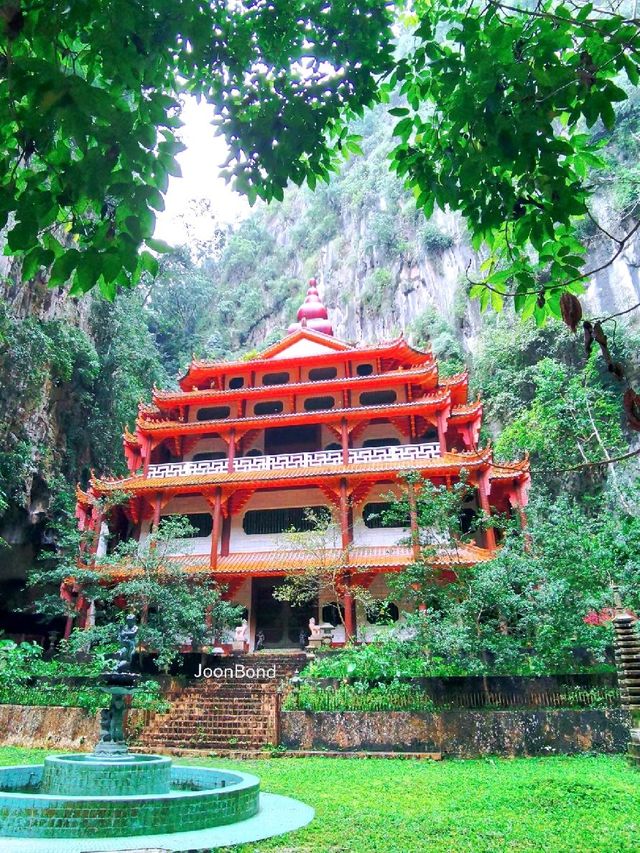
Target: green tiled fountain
112, 799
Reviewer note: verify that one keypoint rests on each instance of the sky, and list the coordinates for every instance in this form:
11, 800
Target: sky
200, 165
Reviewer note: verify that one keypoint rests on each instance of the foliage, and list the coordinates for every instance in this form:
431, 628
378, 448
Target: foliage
493, 127
573, 417
433, 238
383, 660
92, 92
392, 696
322, 575
525, 609
173, 608
429, 328
28, 678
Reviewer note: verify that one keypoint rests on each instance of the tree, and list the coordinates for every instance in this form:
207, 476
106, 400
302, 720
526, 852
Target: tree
173, 607
493, 99
443, 526
322, 572
90, 94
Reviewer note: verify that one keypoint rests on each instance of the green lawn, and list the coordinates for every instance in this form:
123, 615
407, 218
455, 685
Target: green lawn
553, 804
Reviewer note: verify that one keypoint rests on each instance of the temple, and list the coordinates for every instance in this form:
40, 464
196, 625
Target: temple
244, 448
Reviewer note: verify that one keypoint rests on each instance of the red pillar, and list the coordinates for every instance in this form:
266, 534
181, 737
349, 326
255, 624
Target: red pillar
215, 533
347, 600
347, 603
146, 456
97, 526
232, 449
483, 490
344, 434
413, 517
442, 431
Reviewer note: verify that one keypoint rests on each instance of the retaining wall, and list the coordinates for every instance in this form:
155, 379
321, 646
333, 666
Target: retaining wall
460, 733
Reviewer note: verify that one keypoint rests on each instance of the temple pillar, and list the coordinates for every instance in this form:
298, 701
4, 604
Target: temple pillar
146, 455
344, 514
232, 449
413, 520
344, 435
215, 533
97, 529
442, 431
346, 535
225, 539
68, 627
483, 491
347, 604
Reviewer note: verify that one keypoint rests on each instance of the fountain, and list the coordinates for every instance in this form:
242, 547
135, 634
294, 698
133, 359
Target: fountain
113, 799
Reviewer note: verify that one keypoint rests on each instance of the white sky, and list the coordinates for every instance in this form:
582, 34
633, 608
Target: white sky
200, 165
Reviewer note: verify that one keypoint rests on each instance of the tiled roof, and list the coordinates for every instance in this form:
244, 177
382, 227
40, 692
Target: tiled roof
431, 401
185, 398
285, 561
462, 411
509, 470
398, 348
447, 463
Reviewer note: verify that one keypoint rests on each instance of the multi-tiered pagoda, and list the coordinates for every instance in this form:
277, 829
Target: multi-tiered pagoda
244, 448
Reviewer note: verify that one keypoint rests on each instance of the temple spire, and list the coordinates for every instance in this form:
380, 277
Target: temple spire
312, 314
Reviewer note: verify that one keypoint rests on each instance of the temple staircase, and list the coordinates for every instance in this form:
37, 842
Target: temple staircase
224, 714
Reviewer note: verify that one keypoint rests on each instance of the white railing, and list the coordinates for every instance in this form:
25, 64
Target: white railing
286, 461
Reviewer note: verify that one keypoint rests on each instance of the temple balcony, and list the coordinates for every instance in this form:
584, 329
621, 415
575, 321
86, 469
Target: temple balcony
291, 461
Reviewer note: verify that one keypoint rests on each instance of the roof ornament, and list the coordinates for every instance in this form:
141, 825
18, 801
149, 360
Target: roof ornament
312, 314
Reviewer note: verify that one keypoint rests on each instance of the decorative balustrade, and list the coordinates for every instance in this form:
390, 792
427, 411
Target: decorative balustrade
288, 461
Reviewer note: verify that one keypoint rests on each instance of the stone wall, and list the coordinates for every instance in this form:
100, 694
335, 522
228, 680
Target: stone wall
47, 727
460, 733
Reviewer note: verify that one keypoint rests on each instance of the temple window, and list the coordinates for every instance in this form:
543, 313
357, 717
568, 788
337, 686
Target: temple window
430, 435
297, 439
208, 456
265, 521
381, 442
316, 404
377, 398
275, 378
236, 382
381, 613
268, 407
213, 413
333, 446
201, 521
317, 374
364, 369
254, 452
373, 516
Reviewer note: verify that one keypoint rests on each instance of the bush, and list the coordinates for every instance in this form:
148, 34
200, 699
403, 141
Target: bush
433, 239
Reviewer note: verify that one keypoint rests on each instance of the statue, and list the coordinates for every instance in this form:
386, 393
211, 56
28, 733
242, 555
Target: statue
260, 638
315, 631
241, 636
128, 638
119, 682
242, 632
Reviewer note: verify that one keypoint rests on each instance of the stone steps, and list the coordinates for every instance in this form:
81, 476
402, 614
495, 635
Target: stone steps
220, 714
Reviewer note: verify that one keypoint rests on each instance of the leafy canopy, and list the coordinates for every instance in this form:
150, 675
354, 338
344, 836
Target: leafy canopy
89, 94
494, 104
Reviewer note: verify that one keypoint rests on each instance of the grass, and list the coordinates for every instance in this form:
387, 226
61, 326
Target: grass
585, 804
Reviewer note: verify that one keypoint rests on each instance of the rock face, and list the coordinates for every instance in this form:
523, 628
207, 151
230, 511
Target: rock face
374, 292
32, 410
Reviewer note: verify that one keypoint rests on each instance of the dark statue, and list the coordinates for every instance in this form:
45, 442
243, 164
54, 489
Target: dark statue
128, 638
260, 638
119, 682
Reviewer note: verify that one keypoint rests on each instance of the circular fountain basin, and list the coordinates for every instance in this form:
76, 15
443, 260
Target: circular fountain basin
198, 798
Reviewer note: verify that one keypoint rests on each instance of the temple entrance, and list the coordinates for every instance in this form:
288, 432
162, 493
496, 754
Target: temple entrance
278, 620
